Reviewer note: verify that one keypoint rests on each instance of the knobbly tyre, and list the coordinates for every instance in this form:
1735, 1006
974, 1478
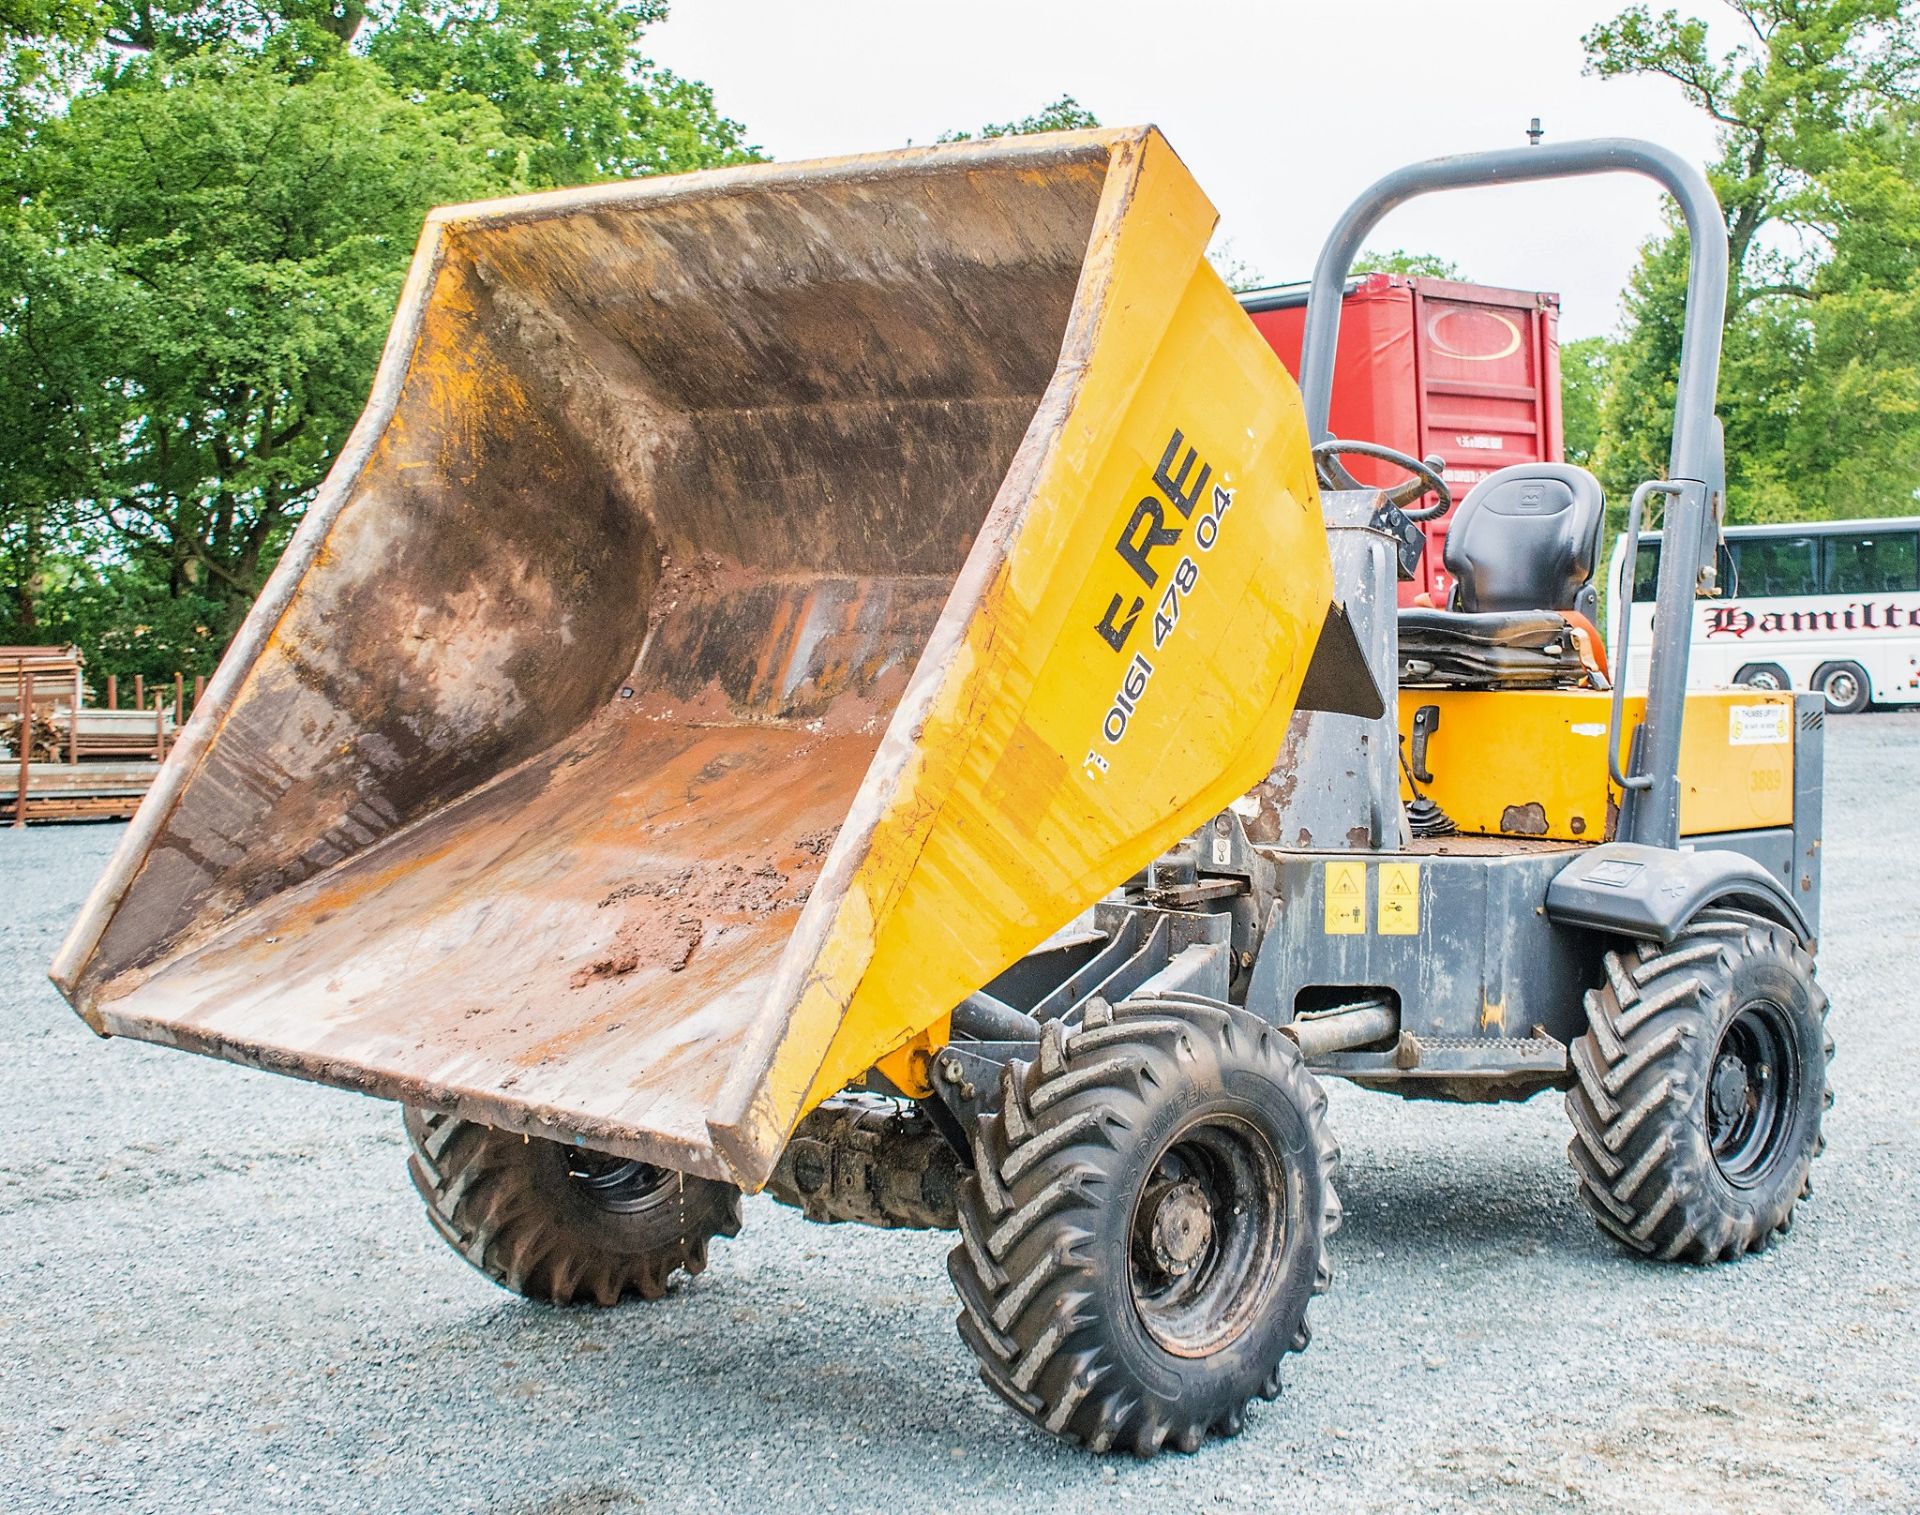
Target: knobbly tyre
757, 609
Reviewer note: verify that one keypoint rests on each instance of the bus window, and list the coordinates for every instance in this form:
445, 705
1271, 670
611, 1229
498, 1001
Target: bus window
1770, 566
1871, 562
1646, 572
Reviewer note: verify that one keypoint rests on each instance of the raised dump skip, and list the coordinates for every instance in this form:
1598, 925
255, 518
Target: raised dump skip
727, 641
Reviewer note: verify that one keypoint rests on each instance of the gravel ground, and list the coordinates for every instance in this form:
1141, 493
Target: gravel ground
222, 1295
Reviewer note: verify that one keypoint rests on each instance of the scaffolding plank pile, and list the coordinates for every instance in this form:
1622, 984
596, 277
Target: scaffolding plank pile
68, 760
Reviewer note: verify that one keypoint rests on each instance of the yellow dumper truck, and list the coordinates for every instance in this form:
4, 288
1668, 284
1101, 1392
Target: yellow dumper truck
866, 680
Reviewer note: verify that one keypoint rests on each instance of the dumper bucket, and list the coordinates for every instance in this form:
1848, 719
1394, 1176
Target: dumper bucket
754, 608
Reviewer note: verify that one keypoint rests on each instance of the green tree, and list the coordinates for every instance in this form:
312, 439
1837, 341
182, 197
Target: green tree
81, 19
150, 26
1818, 173
200, 250
1239, 272
578, 95
1412, 265
1585, 366
42, 42
1063, 115
569, 80
198, 269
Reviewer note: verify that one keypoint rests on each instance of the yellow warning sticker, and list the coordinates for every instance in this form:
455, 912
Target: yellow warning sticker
1346, 898
1399, 899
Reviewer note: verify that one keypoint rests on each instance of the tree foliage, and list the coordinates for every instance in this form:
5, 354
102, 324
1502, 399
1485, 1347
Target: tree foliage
1412, 265
152, 26
201, 264
81, 19
1584, 365
200, 251
1818, 172
569, 81
1239, 272
1063, 115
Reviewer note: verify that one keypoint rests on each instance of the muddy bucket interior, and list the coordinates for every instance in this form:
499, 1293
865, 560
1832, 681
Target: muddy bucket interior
580, 746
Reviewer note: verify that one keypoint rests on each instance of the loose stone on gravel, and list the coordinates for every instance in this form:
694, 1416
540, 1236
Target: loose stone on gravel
222, 1294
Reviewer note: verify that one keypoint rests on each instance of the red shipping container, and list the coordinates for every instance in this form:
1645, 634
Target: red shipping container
1432, 366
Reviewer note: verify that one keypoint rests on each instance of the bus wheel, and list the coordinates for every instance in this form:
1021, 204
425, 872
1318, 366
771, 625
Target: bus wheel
1768, 676
1845, 686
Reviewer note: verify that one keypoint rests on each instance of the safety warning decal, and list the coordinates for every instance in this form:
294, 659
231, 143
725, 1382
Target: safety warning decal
1758, 725
1399, 899
1346, 898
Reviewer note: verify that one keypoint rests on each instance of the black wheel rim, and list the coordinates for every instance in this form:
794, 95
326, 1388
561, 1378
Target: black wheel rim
1750, 1093
1207, 1236
619, 1184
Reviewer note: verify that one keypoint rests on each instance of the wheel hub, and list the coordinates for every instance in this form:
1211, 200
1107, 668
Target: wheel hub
611, 1182
1208, 1234
1750, 1093
1731, 1098
1182, 1228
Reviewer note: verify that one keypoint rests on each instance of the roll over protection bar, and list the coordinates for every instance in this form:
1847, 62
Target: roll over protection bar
1696, 464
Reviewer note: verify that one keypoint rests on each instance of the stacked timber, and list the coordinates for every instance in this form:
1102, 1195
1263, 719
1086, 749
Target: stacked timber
97, 791
67, 760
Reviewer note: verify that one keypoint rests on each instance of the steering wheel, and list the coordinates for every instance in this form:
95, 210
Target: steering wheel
1427, 478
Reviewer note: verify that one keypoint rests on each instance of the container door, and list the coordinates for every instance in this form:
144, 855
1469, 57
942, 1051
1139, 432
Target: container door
1489, 385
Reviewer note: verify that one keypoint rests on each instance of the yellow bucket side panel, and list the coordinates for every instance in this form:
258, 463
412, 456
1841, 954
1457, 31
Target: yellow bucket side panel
919, 755
1096, 716
1533, 762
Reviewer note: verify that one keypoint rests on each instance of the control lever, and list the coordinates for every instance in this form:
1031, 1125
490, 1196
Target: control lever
1425, 818
1426, 721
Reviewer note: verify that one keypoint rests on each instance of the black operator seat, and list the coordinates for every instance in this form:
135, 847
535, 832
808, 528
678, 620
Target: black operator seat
1522, 548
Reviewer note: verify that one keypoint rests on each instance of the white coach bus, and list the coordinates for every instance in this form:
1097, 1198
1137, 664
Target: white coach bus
1828, 605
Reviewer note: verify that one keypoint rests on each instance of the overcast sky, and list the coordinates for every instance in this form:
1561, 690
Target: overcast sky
1284, 111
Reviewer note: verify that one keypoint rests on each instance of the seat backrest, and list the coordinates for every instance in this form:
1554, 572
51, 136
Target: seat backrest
1526, 538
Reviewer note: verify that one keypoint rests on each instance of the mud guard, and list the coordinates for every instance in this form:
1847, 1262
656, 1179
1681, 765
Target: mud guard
1650, 892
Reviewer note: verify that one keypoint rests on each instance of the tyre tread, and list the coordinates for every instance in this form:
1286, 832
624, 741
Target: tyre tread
482, 1197
1024, 1308
1635, 1084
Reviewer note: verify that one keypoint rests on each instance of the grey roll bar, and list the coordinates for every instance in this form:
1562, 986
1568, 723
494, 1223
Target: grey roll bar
1652, 813
1624, 781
